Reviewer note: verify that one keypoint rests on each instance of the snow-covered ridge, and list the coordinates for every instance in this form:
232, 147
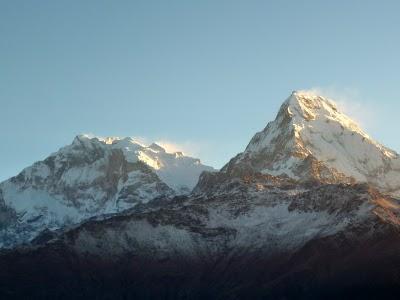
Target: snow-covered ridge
178, 171
90, 177
310, 137
311, 105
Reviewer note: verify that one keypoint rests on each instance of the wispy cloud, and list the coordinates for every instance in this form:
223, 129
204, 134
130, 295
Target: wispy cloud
208, 152
349, 101
188, 147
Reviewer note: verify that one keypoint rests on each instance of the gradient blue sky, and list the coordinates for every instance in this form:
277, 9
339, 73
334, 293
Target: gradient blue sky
205, 75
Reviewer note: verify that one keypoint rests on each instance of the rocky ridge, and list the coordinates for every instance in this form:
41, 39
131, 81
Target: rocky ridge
299, 214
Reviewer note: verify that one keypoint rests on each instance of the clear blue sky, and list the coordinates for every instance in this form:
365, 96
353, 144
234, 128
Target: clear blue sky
203, 74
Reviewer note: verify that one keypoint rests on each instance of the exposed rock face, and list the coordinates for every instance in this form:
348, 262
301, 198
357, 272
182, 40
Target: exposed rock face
88, 178
311, 139
7, 215
301, 213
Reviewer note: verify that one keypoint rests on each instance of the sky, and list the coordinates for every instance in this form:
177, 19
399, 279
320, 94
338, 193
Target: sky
201, 76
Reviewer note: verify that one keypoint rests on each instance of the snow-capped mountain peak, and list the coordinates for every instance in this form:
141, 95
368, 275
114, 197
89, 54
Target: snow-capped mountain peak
312, 138
284, 232
92, 176
304, 105
178, 171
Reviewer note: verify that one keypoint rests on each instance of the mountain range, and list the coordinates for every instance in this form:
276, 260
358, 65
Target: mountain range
310, 209
91, 177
